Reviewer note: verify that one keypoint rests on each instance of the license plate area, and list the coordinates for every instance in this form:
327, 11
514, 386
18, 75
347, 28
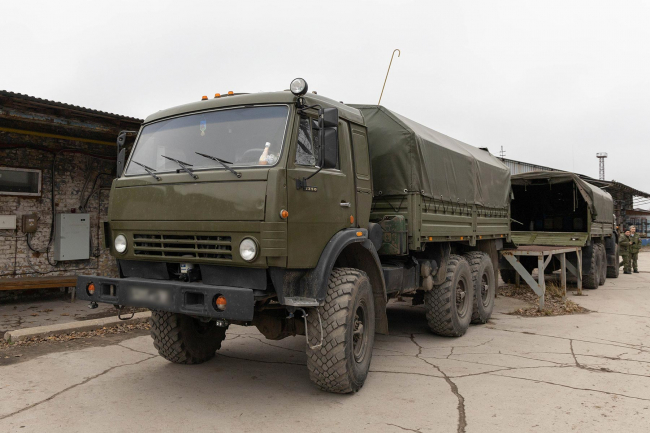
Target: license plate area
149, 296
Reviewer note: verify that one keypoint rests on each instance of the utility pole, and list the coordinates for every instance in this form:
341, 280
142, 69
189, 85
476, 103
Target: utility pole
502, 153
601, 169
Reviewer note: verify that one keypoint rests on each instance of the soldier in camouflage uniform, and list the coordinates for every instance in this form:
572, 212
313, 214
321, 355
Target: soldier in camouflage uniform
624, 249
635, 247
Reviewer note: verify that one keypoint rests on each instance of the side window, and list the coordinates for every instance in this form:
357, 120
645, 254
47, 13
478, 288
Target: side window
360, 145
307, 150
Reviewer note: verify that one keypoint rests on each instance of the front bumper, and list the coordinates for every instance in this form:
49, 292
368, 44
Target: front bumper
194, 299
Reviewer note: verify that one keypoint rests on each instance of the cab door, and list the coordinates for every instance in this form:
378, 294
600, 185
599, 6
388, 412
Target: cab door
328, 204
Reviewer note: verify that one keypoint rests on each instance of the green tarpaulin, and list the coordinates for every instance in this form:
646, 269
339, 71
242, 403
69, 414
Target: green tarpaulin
600, 202
409, 157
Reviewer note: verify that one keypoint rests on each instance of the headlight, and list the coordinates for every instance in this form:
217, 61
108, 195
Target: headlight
248, 249
120, 243
298, 87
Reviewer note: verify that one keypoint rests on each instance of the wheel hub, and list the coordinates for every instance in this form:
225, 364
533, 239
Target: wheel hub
359, 333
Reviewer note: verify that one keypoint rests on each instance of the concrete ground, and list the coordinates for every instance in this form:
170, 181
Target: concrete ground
588, 372
33, 312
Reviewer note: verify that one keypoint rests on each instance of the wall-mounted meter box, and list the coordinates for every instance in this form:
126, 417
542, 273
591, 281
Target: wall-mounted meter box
71, 236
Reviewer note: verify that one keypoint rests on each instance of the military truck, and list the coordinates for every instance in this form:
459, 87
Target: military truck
300, 215
557, 208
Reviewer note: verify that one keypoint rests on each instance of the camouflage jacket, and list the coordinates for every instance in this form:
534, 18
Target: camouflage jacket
624, 244
635, 243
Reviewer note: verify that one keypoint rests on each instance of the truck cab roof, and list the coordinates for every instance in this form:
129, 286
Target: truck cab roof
283, 97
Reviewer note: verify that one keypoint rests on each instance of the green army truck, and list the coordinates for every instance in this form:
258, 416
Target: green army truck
556, 208
300, 215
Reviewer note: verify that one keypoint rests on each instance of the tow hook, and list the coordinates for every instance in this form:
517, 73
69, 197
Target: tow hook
119, 313
93, 305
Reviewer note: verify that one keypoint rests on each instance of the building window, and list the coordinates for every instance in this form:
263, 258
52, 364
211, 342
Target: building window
20, 181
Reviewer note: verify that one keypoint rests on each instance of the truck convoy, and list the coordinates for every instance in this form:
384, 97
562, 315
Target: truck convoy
556, 208
300, 215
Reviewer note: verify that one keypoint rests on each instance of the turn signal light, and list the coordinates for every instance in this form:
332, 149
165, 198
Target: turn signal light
91, 289
284, 214
359, 234
220, 303
204, 98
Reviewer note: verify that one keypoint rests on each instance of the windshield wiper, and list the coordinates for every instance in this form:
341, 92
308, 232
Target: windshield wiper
222, 162
147, 169
183, 166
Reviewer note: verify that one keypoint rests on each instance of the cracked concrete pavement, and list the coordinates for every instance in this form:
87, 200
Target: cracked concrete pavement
587, 372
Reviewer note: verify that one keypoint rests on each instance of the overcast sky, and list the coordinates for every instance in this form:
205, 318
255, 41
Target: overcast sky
553, 82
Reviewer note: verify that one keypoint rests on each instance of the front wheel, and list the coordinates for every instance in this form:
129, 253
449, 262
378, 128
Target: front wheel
183, 339
341, 364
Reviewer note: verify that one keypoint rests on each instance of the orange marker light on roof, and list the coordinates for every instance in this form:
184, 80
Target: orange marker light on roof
230, 92
204, 98
217, 95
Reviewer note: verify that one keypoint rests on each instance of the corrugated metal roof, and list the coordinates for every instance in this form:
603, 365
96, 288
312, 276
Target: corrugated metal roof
67, 106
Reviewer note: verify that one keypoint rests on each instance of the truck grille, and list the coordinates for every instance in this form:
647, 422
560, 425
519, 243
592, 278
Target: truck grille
197, 246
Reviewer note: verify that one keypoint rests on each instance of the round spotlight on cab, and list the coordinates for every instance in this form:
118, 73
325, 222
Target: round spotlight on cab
248, 249
120, 244
299, 86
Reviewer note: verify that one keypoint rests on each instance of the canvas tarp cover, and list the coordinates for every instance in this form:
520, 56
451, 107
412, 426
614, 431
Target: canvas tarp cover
600, 202
409, 157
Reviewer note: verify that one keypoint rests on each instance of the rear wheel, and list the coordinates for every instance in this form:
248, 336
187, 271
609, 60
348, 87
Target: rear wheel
612, 271
484, 286
183, 339
341, 364
449, 305
590, 271
602, 268
508, 275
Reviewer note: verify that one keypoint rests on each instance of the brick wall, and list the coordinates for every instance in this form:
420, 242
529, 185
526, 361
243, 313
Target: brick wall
71, 171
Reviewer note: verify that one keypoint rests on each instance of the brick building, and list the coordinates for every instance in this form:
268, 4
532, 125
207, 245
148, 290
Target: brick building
56, 158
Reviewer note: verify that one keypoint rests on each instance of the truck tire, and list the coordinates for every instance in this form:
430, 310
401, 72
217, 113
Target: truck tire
183, 339
612, 271
484, 286
449, 305
508, 275
603, 264
341, 364
591, 274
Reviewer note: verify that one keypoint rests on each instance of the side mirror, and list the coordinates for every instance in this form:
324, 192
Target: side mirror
329, 135
330, 117
121, 152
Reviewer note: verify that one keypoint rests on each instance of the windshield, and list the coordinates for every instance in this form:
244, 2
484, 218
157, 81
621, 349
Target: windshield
243, 137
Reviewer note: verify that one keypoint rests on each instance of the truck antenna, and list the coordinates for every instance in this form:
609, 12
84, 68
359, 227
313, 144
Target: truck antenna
399, 53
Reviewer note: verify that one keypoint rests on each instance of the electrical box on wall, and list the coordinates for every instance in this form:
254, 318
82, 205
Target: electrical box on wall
30, 223
71, 236
7, 222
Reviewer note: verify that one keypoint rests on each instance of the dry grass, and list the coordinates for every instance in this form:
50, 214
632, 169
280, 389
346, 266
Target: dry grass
553, 303
119, 329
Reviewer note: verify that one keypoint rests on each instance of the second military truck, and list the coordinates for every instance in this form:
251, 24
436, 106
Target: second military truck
557, 208
300, 215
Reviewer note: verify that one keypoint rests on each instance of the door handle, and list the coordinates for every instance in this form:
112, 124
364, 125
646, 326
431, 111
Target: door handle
345, 204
